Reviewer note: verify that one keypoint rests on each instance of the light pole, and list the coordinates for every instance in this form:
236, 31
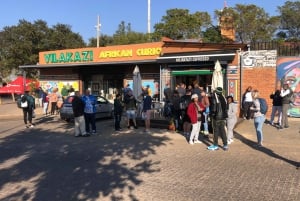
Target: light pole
149, 16
98, 30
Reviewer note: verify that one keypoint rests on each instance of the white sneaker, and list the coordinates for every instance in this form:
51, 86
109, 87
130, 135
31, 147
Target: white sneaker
191, 142
197, 142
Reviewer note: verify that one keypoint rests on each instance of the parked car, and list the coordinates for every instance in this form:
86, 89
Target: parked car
104, 109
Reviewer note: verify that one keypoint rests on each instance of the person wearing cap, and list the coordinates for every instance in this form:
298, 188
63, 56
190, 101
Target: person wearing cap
194, 110
285, 94
218, 111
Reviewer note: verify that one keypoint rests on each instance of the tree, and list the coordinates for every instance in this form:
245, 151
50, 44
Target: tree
180, 24
290, 20
21, 44
251, 23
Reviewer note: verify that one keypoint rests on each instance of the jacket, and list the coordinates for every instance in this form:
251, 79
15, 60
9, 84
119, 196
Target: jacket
277, 99
118, 107
78, 106
192, 111
218, 107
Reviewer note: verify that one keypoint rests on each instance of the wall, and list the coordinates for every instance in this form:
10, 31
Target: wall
261, 78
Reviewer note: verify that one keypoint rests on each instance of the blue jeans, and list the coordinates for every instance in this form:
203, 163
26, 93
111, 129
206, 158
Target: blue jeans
258, 123
205, 121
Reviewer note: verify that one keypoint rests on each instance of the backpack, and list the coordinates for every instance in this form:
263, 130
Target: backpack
24, 102
263, 105
167, 110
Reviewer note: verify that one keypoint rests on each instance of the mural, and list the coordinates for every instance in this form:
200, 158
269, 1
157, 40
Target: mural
288, 70
50, 85
153, 85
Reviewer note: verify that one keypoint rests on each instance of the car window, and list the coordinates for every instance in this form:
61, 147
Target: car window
101, 100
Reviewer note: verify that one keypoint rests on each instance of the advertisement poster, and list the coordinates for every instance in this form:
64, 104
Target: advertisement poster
50, 85
288, 71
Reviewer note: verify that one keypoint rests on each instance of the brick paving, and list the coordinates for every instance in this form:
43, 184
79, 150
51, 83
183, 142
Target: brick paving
48, 163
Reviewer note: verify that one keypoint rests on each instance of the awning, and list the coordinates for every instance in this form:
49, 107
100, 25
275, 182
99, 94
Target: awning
192, 72
192, 58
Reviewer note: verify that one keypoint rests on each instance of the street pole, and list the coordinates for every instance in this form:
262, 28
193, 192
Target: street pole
149, 16
98, 30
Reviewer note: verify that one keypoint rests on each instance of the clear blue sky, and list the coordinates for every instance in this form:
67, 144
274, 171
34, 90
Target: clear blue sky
82, 15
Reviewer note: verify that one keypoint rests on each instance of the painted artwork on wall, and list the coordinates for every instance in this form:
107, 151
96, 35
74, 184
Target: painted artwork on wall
288, 71
61, 85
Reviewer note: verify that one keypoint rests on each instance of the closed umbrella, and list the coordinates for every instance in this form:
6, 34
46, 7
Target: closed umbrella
217, 77
137, 82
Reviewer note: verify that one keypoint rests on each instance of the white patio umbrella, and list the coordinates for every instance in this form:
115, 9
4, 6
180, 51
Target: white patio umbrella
217, 77
137, 82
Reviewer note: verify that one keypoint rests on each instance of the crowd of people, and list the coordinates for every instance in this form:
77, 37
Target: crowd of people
189, 108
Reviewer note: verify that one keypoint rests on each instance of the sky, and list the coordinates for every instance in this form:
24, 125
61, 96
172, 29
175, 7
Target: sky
82, 15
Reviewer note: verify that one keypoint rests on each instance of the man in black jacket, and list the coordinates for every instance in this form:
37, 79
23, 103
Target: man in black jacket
218, 111
78, 110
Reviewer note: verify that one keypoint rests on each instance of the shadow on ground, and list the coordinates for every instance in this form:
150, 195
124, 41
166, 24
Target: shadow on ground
54, 165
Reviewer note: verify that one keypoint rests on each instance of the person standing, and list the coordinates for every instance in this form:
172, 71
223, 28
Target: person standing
28, 109
259, 118
168, 93
40, 96
247, 102
45, 102
53, 101
184, 102
276, 108
218, 110
176, 109
205, 102
118, 110
194, 110
78, 110
231, 119
89, 111
285, 93
147, 104
130, 105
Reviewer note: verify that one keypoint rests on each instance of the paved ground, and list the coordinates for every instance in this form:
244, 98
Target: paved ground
48, 163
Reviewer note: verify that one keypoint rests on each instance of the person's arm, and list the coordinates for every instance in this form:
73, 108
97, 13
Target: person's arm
284, 92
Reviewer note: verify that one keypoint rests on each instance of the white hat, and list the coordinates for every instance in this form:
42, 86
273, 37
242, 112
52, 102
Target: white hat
194, 96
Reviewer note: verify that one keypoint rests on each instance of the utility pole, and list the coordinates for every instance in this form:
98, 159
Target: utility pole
98, 30
149, 16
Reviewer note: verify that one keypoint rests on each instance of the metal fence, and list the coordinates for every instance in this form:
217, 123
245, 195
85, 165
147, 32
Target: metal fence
283, 48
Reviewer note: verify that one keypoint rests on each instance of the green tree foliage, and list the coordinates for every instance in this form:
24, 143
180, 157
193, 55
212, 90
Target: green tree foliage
212, 35
290, 20
251, 23
21, 44
180, 24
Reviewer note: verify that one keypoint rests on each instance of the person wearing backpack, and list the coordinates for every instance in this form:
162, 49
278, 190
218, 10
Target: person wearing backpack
285, 93
27, 111
259, 117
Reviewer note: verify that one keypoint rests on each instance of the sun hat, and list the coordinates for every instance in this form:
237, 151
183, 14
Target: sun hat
219, 90
194, 96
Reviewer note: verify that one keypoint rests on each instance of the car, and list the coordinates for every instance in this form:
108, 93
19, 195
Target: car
104, 108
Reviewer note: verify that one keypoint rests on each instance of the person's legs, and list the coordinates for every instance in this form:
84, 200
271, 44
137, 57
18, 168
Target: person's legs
30, 116
93, 122
279, 108
258, 122
230, 126
215, 132
81, 122
205, 123
87, 122
25, 111
222, 131
77, 126
197, 131
45, 108
284, 120
274, 109
193, 133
